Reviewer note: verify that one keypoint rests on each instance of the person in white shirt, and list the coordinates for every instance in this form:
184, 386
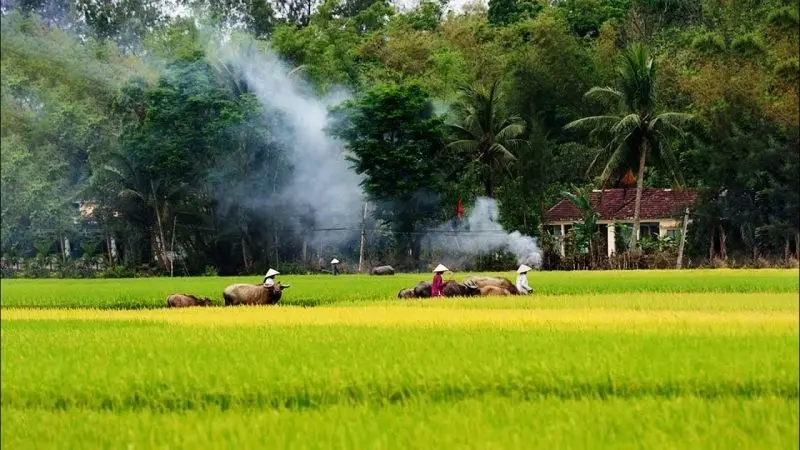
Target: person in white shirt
522, 280
335, 266
269, 278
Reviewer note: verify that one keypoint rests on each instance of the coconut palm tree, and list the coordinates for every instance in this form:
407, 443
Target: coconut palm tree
486, 131
134, 185
633, 126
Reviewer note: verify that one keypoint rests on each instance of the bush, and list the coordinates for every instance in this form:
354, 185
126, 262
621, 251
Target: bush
709, 43
748, 45
785, 18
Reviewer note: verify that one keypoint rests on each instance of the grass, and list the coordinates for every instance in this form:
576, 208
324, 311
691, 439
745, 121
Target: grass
690, 364
312, 290
488, 423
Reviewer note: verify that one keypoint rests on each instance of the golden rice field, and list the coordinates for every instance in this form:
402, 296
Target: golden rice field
691, 359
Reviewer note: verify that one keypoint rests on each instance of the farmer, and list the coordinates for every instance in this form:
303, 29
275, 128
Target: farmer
522, 280
269, 278
438, 284
335, 266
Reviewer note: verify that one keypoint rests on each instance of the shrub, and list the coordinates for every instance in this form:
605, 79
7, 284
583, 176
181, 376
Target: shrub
785, 18
748, 45
709, 43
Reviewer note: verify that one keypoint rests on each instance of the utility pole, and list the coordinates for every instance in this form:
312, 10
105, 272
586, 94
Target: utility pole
683, 238
363, 239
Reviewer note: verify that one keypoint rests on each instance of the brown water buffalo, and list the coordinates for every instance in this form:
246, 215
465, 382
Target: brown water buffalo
406, 293
186, 300
253, 294
382, 270
494, 290
500, 282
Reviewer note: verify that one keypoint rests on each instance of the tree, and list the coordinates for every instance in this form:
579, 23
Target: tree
633, 125
396, 141
504, 12
487, 134
584, 232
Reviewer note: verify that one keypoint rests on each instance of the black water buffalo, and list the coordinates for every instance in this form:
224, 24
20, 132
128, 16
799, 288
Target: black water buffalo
382, 270
253, 294
406, 293
451, 289
456, 289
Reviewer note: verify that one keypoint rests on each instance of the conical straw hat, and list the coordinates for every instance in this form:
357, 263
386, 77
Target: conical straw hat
271, 273
523, 268
334, 261
440, 268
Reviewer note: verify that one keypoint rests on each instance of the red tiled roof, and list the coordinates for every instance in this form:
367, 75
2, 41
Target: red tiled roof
618, 204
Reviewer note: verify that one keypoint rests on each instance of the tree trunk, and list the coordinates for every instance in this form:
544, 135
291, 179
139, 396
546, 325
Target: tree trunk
723, 252
244, 255
162, 243
797, 244
711, 246
637, 206
363, 240
488, 185
172, 248
684, 227
786, 248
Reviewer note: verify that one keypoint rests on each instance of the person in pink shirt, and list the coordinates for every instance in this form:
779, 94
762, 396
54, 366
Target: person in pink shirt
438, 284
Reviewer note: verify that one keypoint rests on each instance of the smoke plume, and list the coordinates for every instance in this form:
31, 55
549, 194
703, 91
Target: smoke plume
481, 232
321, 183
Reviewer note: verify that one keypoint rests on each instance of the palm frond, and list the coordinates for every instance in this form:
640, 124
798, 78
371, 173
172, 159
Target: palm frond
464, 145
502, 151
512, 129
627, 125
672, 121
603, 94
613, 161
593, 123
130, 193
670, 161
515, 145
463, 132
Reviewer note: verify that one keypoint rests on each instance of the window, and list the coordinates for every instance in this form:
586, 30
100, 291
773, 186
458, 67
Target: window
673, 233
648, 229
554, 230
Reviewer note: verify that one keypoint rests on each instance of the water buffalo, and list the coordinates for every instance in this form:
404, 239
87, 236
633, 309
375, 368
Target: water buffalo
493, 281
494, 290
406, 293
456, 289
253, 294
422, 289
382, 270
451, 289
185, 300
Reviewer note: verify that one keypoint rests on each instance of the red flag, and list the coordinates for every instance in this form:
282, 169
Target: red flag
460, 209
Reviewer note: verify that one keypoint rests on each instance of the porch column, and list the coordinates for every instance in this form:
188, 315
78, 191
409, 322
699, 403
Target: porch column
612, 243
563, 237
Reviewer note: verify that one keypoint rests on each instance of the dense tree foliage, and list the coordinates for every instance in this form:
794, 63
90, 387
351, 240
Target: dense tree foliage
125, 108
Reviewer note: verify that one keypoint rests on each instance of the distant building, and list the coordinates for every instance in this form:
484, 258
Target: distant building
661, 213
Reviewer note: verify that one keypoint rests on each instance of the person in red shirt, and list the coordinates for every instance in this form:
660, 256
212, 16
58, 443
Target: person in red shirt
438, 284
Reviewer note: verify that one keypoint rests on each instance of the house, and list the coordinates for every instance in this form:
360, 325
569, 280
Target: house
661, 213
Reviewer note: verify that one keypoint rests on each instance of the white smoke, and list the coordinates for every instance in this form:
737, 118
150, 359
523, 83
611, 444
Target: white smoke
322, 182
482, 232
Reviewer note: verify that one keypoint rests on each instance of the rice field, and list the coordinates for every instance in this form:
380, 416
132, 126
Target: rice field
691, 359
